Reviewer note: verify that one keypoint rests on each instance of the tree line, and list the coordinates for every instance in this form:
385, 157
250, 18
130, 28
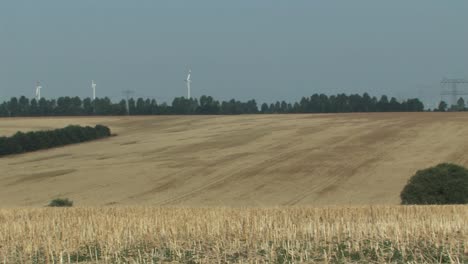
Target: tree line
205, 105
459, 106
37, 140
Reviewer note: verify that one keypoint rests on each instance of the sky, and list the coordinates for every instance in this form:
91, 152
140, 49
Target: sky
243, 49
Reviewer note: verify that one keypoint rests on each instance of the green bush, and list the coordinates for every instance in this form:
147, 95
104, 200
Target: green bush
61, 203
32, 141
443, 184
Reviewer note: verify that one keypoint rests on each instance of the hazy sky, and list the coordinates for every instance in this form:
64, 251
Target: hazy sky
267, 50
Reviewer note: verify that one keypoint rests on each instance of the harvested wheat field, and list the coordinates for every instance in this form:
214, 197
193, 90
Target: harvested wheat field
248, 160
234, 189
384, 234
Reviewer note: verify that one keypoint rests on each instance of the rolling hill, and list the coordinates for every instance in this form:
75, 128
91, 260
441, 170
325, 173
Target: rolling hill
248, 160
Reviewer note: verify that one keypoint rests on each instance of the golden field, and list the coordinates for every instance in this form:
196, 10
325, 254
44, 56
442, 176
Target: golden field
371, 234
248, 160
234, 189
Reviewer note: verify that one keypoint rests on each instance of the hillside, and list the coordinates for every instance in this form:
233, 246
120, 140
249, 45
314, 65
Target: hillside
249, 160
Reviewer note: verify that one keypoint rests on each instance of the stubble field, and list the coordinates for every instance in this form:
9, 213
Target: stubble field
383, 234
251, 160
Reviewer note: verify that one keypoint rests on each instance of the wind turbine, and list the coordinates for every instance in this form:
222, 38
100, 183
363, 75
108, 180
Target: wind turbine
188, 81
93, 85
38, 90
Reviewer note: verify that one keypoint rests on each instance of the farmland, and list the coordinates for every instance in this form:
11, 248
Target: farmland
234, 189
248, 160
397, 234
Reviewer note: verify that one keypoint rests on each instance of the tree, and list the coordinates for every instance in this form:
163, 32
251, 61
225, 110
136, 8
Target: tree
208, 106
132, 107
250, 107
367, 102
45, 107
34, 108
140, 107
22, 142
4, 110
88, 106
394, 105
184, 106
340, 103
296, 107
277, 107
13, 106
148, 107
442, 106
461, 104
284, 107
443, 184
264, 108
414, 105
317, 103
154, 107
383, 104
23, 103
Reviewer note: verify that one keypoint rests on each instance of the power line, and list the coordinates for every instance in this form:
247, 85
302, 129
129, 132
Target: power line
450, 87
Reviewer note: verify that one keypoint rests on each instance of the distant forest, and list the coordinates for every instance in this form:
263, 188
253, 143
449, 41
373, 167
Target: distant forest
206, 105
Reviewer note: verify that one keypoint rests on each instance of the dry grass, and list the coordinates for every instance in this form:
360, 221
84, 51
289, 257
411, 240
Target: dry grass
379, 234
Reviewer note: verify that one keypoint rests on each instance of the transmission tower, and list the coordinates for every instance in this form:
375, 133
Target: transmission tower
127, 94
450, 87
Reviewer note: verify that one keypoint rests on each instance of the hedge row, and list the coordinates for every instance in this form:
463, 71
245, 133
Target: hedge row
31, 141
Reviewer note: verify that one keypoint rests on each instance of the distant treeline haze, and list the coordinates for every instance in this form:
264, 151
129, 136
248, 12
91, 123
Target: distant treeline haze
206, 105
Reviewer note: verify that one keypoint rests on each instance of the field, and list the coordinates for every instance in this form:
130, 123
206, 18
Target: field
251, 160
234, 189
396, 234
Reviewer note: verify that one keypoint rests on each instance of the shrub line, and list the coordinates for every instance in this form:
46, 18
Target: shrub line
38, 140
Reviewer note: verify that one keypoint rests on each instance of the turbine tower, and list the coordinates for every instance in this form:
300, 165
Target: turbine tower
38, 90
188, 81
93, 85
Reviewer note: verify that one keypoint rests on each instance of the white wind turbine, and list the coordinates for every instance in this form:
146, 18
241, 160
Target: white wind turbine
38, 90
188, 81
93, 85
